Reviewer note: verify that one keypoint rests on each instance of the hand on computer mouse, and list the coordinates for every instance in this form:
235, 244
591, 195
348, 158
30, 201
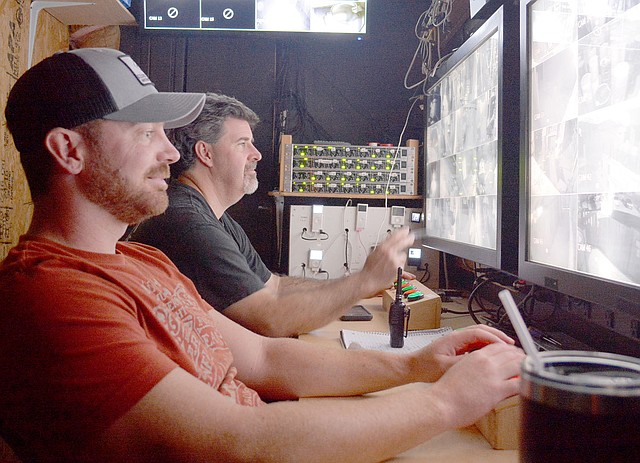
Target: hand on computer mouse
446, 351
473, 346
478, 381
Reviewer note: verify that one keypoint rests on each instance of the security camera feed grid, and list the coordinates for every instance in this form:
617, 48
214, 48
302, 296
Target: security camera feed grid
584, 127
462, 150
257, 15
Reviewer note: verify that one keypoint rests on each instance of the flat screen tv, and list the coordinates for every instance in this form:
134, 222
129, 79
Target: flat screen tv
580, 209
471, 147
329, 17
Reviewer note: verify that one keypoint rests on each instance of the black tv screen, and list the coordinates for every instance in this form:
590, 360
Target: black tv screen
581, 152
471, 160
330, 17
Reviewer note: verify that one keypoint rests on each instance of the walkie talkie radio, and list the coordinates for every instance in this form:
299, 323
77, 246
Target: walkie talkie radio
397, 314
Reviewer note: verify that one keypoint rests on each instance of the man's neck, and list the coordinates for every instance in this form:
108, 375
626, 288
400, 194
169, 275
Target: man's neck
206, 189
88, 230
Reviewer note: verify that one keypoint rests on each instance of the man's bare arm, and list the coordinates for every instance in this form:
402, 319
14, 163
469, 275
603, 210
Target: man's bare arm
289, 306
182, 419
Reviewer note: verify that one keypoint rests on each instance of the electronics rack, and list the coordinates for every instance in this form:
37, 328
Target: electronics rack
348, 170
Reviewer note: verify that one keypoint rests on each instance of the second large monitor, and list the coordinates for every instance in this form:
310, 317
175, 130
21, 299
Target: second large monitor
581, 150
471, 148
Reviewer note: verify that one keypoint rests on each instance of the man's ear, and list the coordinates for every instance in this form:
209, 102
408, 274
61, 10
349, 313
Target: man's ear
204, 153
63, 146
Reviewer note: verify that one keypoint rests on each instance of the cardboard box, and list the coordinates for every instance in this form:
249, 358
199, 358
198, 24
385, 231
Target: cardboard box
501, 426
425, 313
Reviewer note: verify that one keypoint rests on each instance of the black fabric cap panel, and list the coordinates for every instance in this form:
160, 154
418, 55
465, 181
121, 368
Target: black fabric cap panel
60, 91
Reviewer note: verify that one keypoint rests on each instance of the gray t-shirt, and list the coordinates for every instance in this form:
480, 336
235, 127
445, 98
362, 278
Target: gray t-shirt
215, 254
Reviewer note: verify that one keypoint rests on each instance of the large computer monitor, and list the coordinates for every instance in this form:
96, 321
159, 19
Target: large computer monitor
580, 204
324, 17
471, 147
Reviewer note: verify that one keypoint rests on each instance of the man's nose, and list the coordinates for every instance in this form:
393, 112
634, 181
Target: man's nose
256, 154
170, 151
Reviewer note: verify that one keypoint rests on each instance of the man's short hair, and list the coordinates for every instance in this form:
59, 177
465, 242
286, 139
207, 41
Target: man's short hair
207, 127
70, 89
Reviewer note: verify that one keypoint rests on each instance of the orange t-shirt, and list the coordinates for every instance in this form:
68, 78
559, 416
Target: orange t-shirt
84, 336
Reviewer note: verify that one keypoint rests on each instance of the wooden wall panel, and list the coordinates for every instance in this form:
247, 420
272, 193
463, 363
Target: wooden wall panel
51, 36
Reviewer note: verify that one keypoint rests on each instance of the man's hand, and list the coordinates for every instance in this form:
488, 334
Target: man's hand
434, 360
408, 275
478, 381
472, 370
381, 266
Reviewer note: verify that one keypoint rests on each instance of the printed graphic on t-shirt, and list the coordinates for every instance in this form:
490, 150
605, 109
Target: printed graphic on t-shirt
199, 339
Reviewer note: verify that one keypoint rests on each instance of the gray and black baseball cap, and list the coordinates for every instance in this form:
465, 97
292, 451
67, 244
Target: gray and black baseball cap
71, 88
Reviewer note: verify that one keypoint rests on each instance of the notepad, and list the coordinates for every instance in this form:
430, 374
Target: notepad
378, 340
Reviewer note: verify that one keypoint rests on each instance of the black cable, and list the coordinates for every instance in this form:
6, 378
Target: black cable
474, 291
535, 290
426, 276
459, 312
289, 89
475, 283
504, 320
323, 236
346, 250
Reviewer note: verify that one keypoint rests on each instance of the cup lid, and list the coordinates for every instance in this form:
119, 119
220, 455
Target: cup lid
582, 381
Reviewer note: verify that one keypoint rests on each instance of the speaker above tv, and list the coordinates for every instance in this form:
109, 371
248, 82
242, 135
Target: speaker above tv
303, 16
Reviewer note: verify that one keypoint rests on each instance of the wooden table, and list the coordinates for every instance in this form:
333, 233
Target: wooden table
457, 446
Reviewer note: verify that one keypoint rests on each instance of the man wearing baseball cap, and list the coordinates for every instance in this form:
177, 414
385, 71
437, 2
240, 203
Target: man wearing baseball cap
108, 353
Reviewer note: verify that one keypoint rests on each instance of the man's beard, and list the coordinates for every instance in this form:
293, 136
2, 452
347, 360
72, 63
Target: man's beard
250, 181
108, 189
